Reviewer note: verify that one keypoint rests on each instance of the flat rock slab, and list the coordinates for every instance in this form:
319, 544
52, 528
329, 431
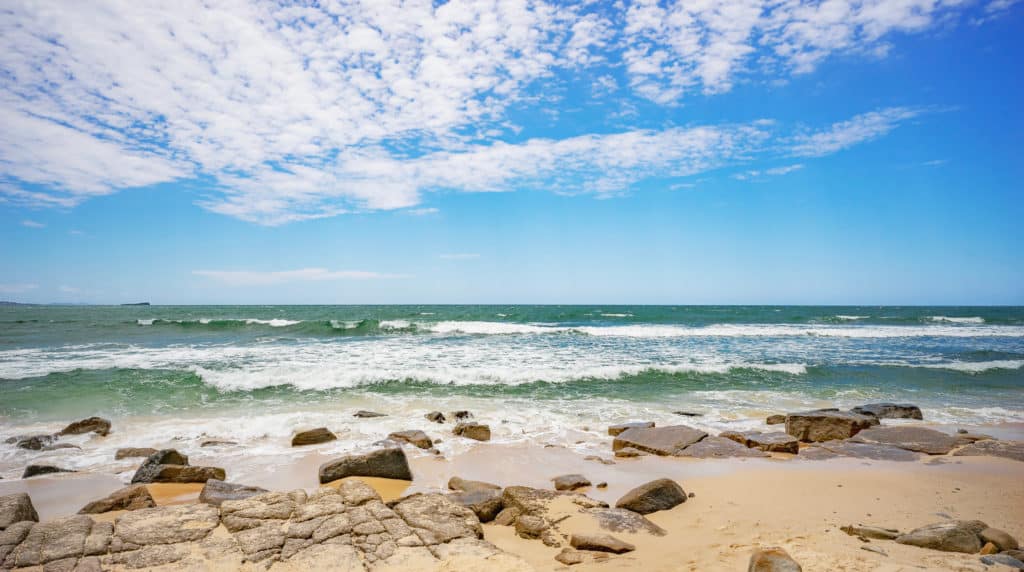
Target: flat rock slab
1005, 449
413, 437
132, 497
387, 463
827, 425
570, 482
712, 447
600, 543
772, 441
658, 440
890, 410
948, 536
216, 492
833, 449
614, 430
919, 439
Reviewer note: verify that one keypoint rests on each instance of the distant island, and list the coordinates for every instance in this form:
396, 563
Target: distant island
137, 304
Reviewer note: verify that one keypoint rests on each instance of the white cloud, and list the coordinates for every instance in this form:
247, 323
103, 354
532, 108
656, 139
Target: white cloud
423, 211
32, 224
263, 278
844, 134
771, 172
459, 256
17, 288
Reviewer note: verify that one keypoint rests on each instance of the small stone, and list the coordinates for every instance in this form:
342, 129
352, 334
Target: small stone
989, 548
601, 485
461, 415
97, 425
473, 430
599, 459
1004, 559
773, 559
777, 419
570, 482
217, 443
570, 557
36, 470
628, 452
875, 549
876, 532
657, 495
34, 442
368, 414
413, 437
313, 437
600, 543
435, 417
688, 413
529, 526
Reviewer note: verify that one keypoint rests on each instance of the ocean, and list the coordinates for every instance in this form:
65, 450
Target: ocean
177, 375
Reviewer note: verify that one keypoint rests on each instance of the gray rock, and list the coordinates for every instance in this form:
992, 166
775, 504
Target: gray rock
658, 440
660, 494
132, 497
688, 413
16, 508
460, 484
772, 559
368, 414
873, 548
97, 425
712, 447
777, 419
1005, 449
388, 463
530, 526
817, 426
773, 441
965, 438
628, 452
600, 543
1002, 540
890, 410
36, 470
167, 524
179, 474
875, 532
129, 452
435, 417
215, 492
461, 415
485, 503
614, 430
919, 439
34, 442
570, 482
948, 536
217, 443
1003, 559
833, 449
313, 437
413, 437
167, 457
473, 430
623, 520
437, 519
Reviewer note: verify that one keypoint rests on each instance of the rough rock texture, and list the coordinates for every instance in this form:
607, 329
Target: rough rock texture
368, 414
129, 452
600, 543
97, 425
570, 482
948, 536
413, 437
658, 440
876, 532
660, 494
623, 520
614, 430
571, 556
817, 426
33, 442
1006, 449
388, 463
712, 447
217, 443
170, 466
435, 417
216, 492
773, 559
628, 452
16, 508
312, 437
460, 484
36, 470
1002, 540
132, 497
920, 439
460, 415
1004, 560
485, 503
833, 449
777, 419
473, 431
530, 526
773, 441
890, 410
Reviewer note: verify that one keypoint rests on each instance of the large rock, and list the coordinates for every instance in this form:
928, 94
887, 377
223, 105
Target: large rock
600, 543
437, 519
772, 442
531, 526
312, 437
948, 536
413, 437
1002, 540
833, 449
388, 463
614, 430
36, 470
816, 426
133, 497
216, 492
919, 439
16, 508
890, 410
773, 559
485, 503
129, 452
570, 482
712, 447
669, 440
623, 520
776, 419
170, 466
1005, 449
660, 494
97, 425
473, 430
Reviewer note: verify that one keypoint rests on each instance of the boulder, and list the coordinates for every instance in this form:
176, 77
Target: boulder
97, 425
387, 463
1005, 449
36, 470
627, 452
460, 484
129, 452
16, 508
216, 492
614, 430
413, 437
167, 457
485, 503
658, 440
817, 426
777, 419
773, 559
312, 437
712, 447
772, 442
833, 449
570, 482
435, 417
919, 439
660, 494
170, 466
34, 442
875, 532
1002, 540
889, 410
473, 430
948, 536
530, 526
600, 543
132, 497
368, 414
623, 520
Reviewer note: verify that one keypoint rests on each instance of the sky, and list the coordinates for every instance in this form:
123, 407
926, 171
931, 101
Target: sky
673, 152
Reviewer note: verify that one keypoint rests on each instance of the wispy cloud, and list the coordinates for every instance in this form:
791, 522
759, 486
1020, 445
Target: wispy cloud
845, 134
423, 211
459, 256
263, 278
32, 224
17, 288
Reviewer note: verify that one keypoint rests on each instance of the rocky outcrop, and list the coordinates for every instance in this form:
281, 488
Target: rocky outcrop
614, 430
368, 414
890, 410
600, 543
473, 430
826, 425
313, 437
36, 470
170, 466
216, 492
16, 508
97, 425
948, 536
712, 447
991, 448
413, 437
570, 482
918, 439
658, 440
772, 442
388, 463
133, 497
435, 417
772, 559
660, 494
129, 452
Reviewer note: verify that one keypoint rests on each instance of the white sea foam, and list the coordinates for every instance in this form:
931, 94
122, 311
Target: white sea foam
977, 366
275, 323
617, 315
851, 318
395, 324
498, 328
143, 322
954, 320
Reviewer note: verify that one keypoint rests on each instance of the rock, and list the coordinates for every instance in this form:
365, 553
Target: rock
529, 526
833, 449
817, 426
368, 414
660, 494
627, 452
658, 440
614, 430
312, 437
34, 442
948, 536
388, 463
571, 556
59, 446
16, 508
485, 503
167, 524
712, 447
132, 497
1003, 559
461, 415
599, 459
876, 532
919, 439
777, 419
435, 417
1005, 449
413, 437
96, 425
1002, 540
507, 516
129, 452
217, 443
473, 431
873, 548
600, 543
688, 413
602, 485
989, 548
215, 492
966, 438
623, 520
36, 470
460, 484
1018, 554
570, 482
773, 559
170, 466
437, 519
167, 457
773, 442
890, 410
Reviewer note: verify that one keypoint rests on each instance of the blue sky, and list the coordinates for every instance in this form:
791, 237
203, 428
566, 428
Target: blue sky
470, 152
